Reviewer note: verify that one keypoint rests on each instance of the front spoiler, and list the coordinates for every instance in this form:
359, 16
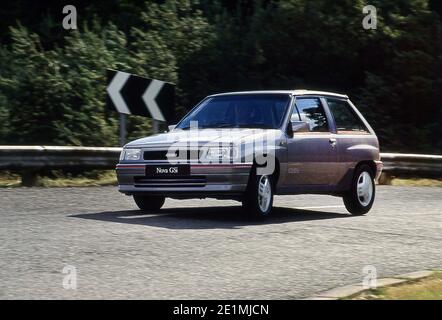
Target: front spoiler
221, 179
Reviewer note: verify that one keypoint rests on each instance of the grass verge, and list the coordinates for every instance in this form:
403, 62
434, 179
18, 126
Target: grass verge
9, 179
417, 182
428, 288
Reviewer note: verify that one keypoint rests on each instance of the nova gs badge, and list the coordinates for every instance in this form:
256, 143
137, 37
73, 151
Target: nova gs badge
172, 170
168, 170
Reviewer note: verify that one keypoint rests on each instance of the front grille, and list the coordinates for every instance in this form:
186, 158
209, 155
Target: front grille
170, 181
155, 155
161, 155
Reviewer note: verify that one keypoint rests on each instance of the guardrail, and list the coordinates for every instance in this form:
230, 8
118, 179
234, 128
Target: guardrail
423, 165
28, 160
42, 157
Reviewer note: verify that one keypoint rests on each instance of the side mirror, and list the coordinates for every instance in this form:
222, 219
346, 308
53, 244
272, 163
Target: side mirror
171, 127
300, 126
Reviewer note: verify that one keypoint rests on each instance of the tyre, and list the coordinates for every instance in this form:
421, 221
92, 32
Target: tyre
359, 199
258, 199
149, 203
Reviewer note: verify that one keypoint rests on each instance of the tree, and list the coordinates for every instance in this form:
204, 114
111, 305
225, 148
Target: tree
171, 46
57, 96
402, 93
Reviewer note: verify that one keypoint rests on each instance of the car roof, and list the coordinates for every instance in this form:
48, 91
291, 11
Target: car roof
300, 92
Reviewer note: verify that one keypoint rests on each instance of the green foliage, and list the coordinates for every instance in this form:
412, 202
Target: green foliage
52, 82
35, 89
171, 45
401, 95
56, 96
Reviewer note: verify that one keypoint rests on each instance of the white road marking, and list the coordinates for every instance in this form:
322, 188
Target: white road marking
142, 216
320, 207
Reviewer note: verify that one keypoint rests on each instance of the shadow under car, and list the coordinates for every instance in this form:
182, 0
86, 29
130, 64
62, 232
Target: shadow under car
220, 217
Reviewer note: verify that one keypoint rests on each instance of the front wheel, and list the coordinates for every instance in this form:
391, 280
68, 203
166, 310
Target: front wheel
359, 199
149, 203
258, 199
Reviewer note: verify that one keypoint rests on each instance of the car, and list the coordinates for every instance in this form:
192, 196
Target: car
249, 146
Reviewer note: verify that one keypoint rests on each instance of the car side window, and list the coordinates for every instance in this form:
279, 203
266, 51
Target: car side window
311, 111
347, 121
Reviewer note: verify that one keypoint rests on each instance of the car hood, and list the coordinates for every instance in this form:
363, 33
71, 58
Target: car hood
204, 136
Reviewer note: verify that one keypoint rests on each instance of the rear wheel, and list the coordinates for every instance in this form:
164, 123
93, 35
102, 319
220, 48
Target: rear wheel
149, 203
258, 199
359, 199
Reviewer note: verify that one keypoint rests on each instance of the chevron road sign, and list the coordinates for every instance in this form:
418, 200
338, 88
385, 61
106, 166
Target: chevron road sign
131, 94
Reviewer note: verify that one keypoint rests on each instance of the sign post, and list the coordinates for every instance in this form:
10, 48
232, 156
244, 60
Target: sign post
122, 129
155, 126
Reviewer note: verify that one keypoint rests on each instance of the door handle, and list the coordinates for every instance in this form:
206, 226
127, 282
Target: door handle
332, 141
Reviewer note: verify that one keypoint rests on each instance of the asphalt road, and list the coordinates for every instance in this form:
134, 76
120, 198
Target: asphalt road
198, 249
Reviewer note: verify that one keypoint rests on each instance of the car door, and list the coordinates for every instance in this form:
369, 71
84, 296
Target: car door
311, 156
350, 132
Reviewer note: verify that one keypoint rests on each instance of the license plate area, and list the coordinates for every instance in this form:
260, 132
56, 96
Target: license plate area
167, 170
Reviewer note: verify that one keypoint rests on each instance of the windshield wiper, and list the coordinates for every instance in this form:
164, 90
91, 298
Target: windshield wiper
254, 125
219, 125
231, 125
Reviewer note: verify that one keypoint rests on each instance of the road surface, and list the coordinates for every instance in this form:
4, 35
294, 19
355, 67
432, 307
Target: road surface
206, 249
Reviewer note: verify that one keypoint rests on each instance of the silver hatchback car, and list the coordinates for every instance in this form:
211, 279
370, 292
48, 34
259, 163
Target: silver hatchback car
249, 146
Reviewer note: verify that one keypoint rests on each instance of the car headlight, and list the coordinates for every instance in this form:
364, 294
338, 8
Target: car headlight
219, 153
132, 154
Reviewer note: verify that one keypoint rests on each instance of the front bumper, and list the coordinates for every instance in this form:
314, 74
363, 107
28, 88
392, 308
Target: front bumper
204, 180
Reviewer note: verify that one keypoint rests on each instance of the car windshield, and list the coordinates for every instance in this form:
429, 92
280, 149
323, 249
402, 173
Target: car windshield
239, 111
